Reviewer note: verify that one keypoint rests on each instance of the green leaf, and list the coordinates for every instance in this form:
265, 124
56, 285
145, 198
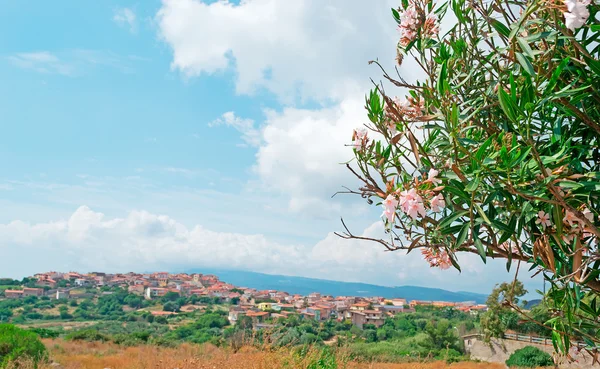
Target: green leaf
396, 15
556, 74
482, 213
454, 263
507, 105
472, 186
387, 151
509, 230
500, 27
480, 249
482, 149
593, 64
448, 220
526, 64
442, 77
462, 235
525, 47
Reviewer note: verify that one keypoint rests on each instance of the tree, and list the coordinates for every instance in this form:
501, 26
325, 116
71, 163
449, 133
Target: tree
244, 322
171, 306
499, 316
133, 301
440, 335
495, 150
170, 296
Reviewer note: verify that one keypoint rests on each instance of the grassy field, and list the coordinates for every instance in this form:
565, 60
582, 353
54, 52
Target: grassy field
95, 355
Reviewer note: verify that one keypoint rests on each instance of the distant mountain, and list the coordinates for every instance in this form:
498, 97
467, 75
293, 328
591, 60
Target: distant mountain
532, 303
305, 286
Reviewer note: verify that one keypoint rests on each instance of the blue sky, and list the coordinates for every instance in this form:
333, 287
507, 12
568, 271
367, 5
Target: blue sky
169, 134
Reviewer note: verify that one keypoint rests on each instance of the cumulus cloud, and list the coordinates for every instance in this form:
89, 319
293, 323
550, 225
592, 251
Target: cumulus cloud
125, 17
143, 241
302, 152
303, 49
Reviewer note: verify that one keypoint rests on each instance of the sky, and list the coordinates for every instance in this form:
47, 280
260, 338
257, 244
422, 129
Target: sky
147, 135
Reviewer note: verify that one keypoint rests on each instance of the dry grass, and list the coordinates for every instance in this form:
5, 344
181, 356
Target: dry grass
95, 355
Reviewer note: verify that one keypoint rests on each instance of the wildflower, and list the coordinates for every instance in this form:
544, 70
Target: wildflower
432, 177
389, 207
543, 219
577, 13
437, 203
360, 138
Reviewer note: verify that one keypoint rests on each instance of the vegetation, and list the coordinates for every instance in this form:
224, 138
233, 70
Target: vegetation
495, 149
17, 344
72, 355
529, 357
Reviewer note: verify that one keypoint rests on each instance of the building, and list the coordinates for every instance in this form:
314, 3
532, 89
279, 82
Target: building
64, 294
152, 292
235, 313
360, 306
38, 292
362, 317
13, 294
257, 316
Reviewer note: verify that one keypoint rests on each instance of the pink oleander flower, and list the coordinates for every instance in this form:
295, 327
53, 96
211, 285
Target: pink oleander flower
574, 351
588, 215
570, 219
360, 138
437, 203
568, 238
411, 203
392, 128
411, 24
431, 27
432, 177
437, 258
543, 219
415, 209
389, 207
577, 13
510, 246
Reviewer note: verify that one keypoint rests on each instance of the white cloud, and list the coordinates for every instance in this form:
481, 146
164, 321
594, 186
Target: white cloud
302, 152
303, 49
143, 241
71, 63
250, 134
125, 17
42, 62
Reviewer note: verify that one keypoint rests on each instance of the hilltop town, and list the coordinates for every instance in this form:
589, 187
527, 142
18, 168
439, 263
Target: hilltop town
259, 305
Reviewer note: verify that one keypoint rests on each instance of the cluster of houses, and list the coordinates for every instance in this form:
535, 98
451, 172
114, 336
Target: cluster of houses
258, 305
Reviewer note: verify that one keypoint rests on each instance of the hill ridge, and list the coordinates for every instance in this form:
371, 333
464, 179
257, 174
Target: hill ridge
307, 285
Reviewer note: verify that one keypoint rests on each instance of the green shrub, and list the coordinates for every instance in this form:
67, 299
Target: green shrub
45, 333
87, 335
17, 343
529, 357
326, 360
